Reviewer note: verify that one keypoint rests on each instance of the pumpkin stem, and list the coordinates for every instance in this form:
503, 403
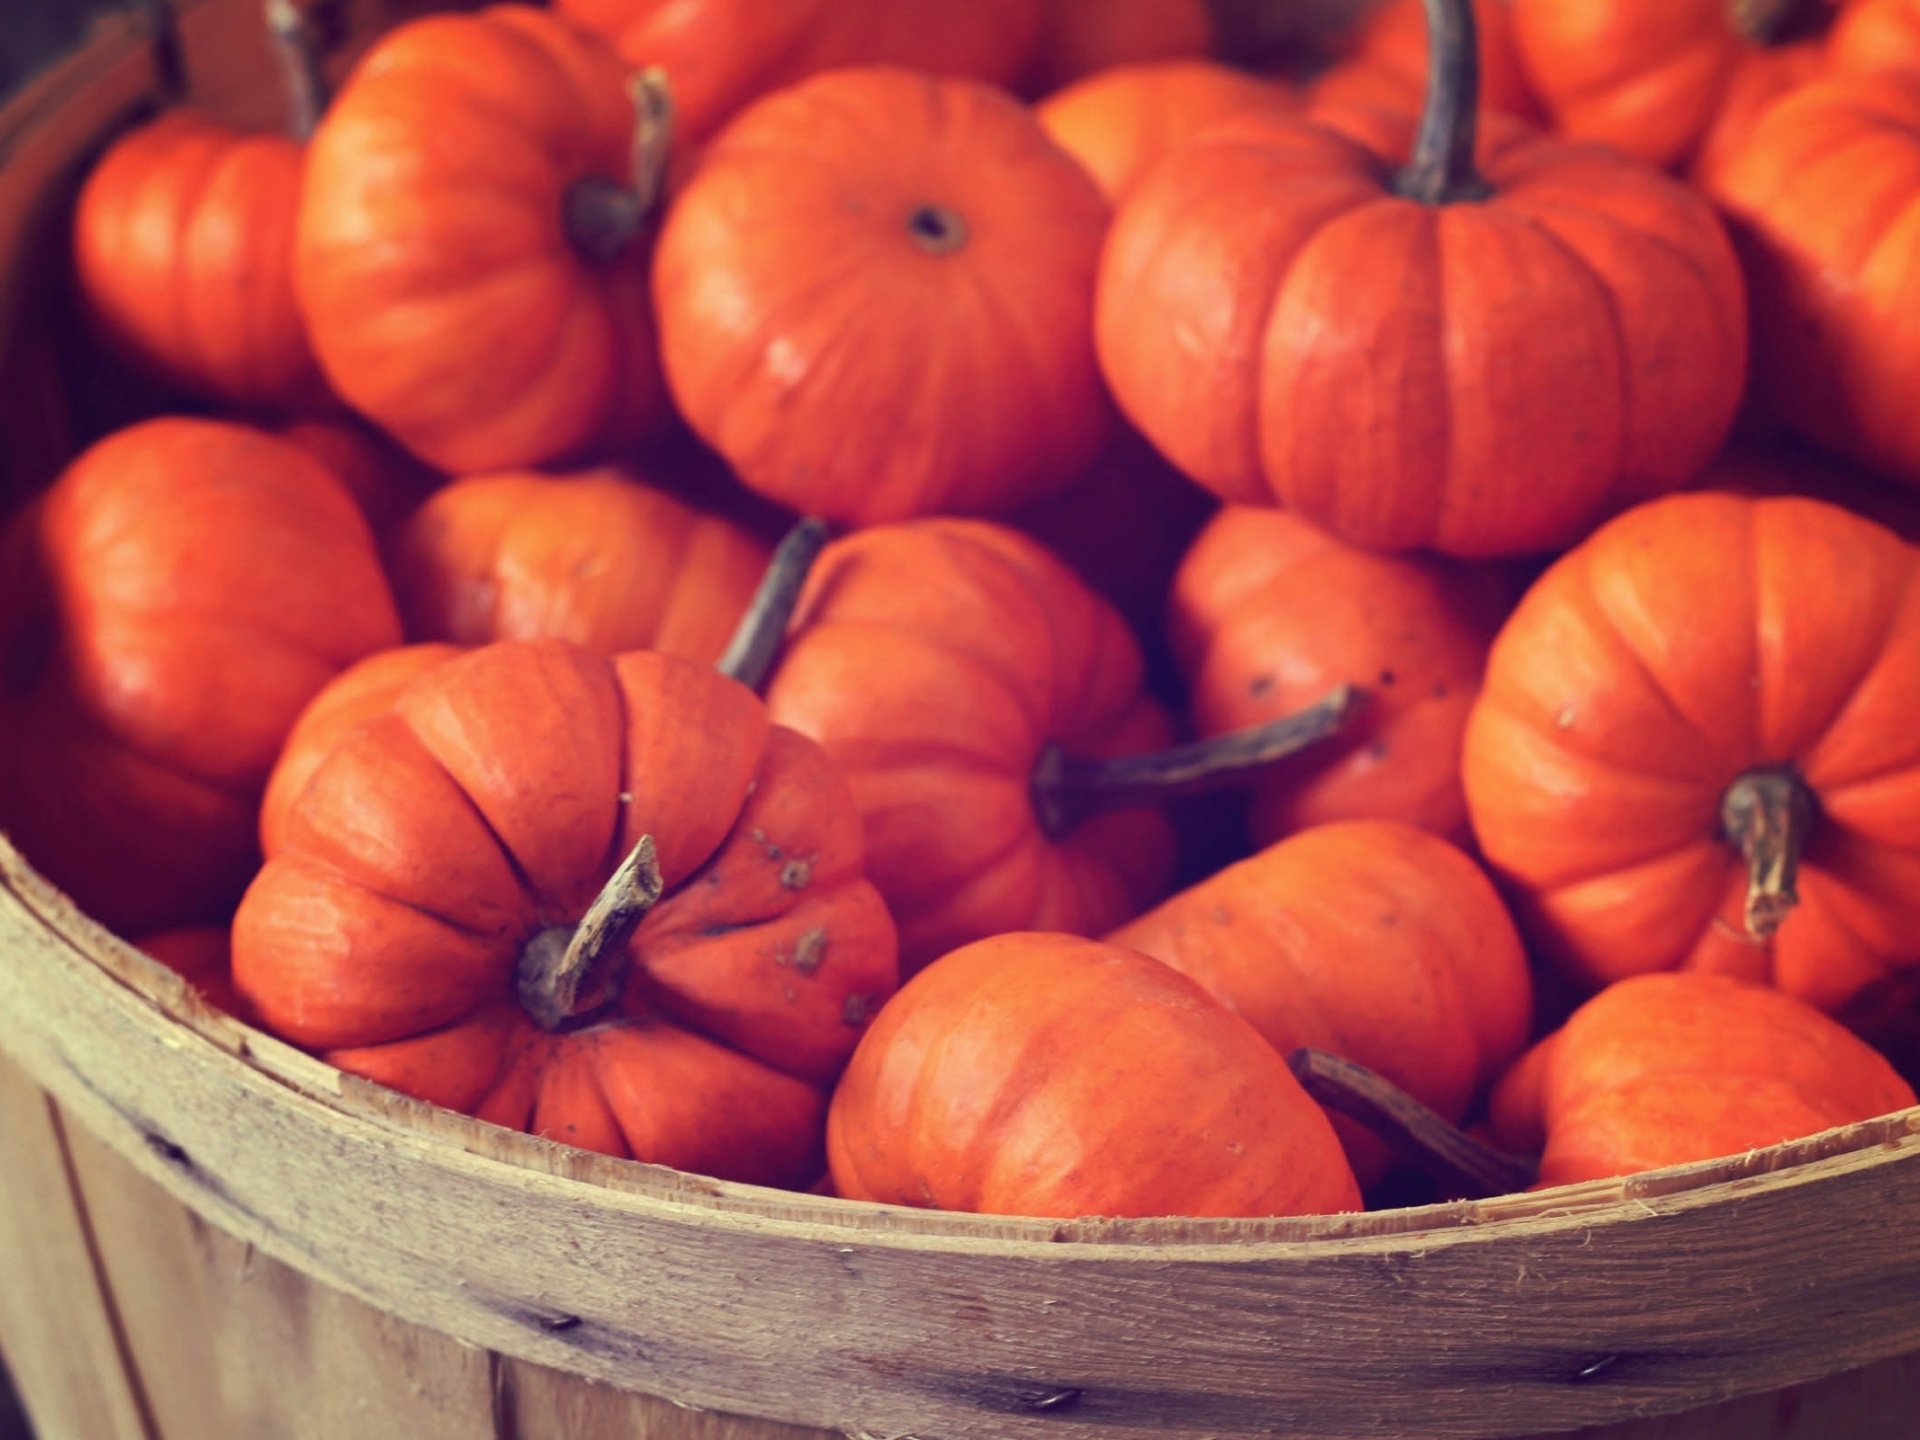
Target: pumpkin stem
1442, 1150
756, 642
1067, 789
603, 217
1442, 171
298, 52
565, 974
1768, 22
1769, 814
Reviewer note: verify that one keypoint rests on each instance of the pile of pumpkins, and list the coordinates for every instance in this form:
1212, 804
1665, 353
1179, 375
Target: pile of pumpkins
1487, 457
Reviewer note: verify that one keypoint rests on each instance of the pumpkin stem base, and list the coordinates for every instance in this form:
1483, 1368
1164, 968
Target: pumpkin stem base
1444, 1151
1770, 815
565, 975
756, 641
604, 217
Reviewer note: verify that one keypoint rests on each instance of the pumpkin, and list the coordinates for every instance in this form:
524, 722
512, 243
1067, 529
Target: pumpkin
597, 558
201, 581
1760, 81
1667, 1069
388, 482
1389, 61
1872, 35
1374, 941
875, 298
1648, 77
1036, 1074
202, 955
721, 55
1691, 749
987, 710
441, 909
1558, 329
471, 255
1080, 38
1268, 611
183, 247
1119, 122
1817, 196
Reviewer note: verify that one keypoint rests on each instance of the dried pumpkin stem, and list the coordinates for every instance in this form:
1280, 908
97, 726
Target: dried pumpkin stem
756, 643
1770, 815
564, 974
1420, 1136
603, 216
1442, 171
298, 52
1067, 789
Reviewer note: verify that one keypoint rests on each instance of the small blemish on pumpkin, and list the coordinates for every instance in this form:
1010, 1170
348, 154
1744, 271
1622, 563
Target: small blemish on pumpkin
1378, 749
1260, 686
810, 950
774, 852
795, 874
1440, 692
858, 1010
1564, 719
626, 797
1387, 677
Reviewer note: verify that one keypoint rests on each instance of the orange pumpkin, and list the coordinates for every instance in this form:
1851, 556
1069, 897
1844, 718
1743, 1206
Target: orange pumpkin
1079, 38
874, 299
388, 482
1760, 81
721, 55
1119, 122
1372, 941
1269, 611
1389, 60
1047, 1075
1691, 751
1558, 329
1649, 77
1667, 1069
1873, 35
200, 582
595, 558
471, 256
437, 914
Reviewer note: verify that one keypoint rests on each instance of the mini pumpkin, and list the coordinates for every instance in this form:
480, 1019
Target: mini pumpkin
1667, 1069
1080, 38
875, 298
1559, 329
1389, 61
1691, 752
1049, 1075
1874, 35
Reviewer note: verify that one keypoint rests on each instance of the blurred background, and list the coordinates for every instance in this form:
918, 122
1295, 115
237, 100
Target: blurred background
32, 33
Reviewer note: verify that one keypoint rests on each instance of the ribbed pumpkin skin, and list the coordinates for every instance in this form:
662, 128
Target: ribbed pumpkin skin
721, 55
1388, 63
490, 801
598, 559
934, 660
183, 251
1079, 38
443, 295
202, 582
1667, 1069
1818, 198
1572, 342
841, 365
1372, 941
1764, 78
1036, 1074
1269, 612
1119, 122
1690, 642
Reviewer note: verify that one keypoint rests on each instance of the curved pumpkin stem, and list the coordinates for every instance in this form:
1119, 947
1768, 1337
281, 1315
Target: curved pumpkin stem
756, 642
1442, 171
1066, 789
604, 217
565, 974
295, 47
1770, 815
1442, 1150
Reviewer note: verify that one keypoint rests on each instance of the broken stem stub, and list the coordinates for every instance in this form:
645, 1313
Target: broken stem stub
1419, 1135
604, 216
1770, 815
565, 974
756, 641
1067, 789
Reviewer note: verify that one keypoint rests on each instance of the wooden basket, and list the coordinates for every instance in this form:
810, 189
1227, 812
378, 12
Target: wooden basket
207, 1235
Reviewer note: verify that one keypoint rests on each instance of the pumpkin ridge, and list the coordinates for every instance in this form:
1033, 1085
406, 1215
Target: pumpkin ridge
186, 212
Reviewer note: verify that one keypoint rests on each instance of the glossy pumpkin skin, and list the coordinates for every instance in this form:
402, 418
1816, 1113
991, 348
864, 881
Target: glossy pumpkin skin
1373, 941
721, 55
1388, 62
1036, 1074
442, 292
875, 298
1081, 38
201, 582
490, 802
1120, 122
387, 481
183, 253
1816, 199
1574, 340
597, 558
934, 661
1667, 1069
1688, 643
1269, 612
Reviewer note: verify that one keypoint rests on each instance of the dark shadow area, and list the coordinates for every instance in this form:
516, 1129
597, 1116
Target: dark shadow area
13, 1420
